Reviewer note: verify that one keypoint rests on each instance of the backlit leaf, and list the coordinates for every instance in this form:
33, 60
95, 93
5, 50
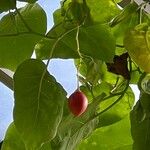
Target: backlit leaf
94, 41
137, 43
119, 110
16, 41
39, 101
109, 137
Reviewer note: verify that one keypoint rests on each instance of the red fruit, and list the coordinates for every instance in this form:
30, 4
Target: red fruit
77, 103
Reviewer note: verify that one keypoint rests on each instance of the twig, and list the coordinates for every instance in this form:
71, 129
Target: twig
6, 80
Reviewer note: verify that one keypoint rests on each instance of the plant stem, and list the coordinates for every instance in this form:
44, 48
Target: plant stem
78, 50
78, 68
6, 80
140, 17
56, 42
90, 89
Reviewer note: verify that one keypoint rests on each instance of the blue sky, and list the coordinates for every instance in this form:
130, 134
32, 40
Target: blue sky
63, 70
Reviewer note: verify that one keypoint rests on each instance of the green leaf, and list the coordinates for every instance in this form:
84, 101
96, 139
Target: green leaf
119, 110
16, 40
88, 11
94, 91
109, 137
126, 20
90, 69
108, 76
128, 23
94, 41
102, 11
140, 123
137, 43
74, 129
76, 12
12, 139
39, 101
125, 13
6, 5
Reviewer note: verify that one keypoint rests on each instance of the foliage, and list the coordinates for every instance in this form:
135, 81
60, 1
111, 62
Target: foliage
110, 47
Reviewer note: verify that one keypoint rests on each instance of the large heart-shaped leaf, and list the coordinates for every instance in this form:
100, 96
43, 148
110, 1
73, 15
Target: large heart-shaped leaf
102, 10
39, 101
95, 41
16, 40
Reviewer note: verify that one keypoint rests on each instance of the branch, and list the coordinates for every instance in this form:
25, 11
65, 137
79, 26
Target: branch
6, 80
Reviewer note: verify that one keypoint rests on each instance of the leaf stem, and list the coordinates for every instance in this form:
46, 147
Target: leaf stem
141, 7
90, 88
56, 42
78, 50
78, 68
77, 41
140, 13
